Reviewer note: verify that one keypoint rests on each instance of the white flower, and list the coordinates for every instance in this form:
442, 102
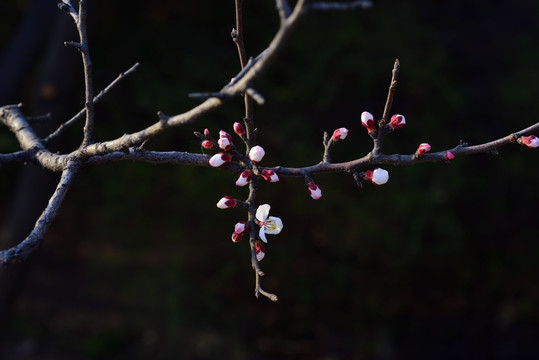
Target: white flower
268, 224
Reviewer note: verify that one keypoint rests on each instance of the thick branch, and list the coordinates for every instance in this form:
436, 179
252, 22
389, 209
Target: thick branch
29, 245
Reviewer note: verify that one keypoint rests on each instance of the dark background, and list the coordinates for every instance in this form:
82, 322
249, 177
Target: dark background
438, 263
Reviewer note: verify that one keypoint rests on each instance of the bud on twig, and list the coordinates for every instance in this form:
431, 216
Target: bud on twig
339, 134
269, 175
239, 129
367, 120
397, 121
257, 153
531, 141
219, 159
227, 202
421, 150
316, 192
244, 178
260, 251
449, 156
378, 176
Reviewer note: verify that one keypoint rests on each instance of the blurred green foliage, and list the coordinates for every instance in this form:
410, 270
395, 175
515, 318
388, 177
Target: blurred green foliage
439, 263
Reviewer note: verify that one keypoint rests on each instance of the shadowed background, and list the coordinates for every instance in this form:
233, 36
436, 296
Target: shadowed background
438, 263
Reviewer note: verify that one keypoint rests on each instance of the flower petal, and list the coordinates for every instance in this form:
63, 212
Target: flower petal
273, 225
262, 212
262, 235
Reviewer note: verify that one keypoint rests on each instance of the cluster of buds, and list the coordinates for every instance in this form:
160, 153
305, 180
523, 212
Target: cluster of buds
368, 121
531, 141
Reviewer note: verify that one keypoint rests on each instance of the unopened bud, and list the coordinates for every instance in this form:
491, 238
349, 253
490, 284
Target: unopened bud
531, 141
244, 178
239, 129
227, 202
240, 227
219, 159
422, 149
367, 120
378, 176
224, 143
236, 237
208, 144
206, 132
449, 156
316, 192
340, 134
397, 121
260, 251
257, 153
269, 175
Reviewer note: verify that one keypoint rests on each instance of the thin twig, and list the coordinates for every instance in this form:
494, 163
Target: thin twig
98, 98
324, 6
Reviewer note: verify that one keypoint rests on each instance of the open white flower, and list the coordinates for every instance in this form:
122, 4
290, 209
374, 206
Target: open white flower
268, 224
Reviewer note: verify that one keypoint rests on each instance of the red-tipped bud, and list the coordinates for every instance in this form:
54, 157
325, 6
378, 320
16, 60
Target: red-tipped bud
260, 251
316, 192
367, 120
239, 129
257, 153
219, 159
236, 237
378, 176
397, 121
244, 178
531, 141
227, 202
224, 134
206, 132
224, 143
340, 134
208, 144
449, 156
240, 227
422, 149
269, 175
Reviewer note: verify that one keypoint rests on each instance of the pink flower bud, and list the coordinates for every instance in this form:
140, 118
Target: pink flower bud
257, 153
260, 251
206, 132
236, 237
378, 176
239, 129
244, 178
422, 149
397, 121
269, 175
367, 120
227, 202
207, 144
316, 192
224, 134
240, 227
224, 143
531, 141
219, 159
449, 156
340, 134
